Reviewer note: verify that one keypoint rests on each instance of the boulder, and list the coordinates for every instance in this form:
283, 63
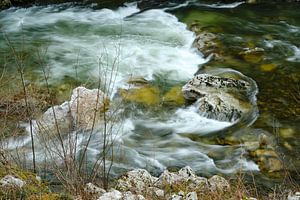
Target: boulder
11, 181
295, 196
252, 55
218, 183
137, 181
87, 107
221, 98
203, 84
94, 190
56, 120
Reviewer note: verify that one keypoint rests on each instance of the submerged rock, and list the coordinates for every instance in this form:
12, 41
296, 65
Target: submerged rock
268, 160
174, 97
217, 97
147, 95
252, 55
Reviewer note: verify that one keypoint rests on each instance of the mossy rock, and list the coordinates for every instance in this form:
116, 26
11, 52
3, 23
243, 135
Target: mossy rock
148, 95
33, 186
174, 97
268, 67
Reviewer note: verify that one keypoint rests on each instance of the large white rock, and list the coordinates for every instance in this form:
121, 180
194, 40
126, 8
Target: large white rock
55, 120
87, 107
11, 181
129, 196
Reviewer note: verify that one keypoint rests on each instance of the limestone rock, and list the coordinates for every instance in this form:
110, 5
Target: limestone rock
203, 84
184, 176
129, 196
218, 97
55, 117
138, 181
111, 195
11, 181
191, 196
92, 189
87, 105
218, 183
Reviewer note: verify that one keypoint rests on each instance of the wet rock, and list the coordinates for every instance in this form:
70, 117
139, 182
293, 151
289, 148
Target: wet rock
11, 181
268, 160
137, 81
191, 196
113, 194
252, 55
137, 181
206, 43
268, 67
56, 120
87, 107
93, 190
218, 183
148, 95
218, 97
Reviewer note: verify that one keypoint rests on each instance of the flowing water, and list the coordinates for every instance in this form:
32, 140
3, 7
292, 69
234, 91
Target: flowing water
157, 45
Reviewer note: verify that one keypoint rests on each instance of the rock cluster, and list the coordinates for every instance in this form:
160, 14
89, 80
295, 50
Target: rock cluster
139, 184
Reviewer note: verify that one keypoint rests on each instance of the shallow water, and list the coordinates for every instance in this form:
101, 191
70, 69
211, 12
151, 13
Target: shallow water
157, 45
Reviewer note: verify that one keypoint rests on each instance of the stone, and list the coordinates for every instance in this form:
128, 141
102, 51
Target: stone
111, 195
147, 95
252, 55
87, 107
137, 81
268, 160
129, 196
206, 43
185, 176
221, 98
217, 182
268, 67
11, 181
137, 181
56, 119
203, 84
295, 196
94, 190
191, 196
